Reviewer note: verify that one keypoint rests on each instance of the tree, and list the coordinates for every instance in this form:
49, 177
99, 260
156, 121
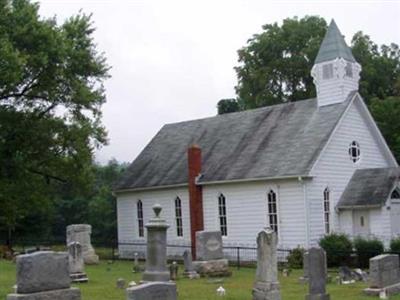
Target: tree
51, 92
275, 65
226, 106
380, 75
386, 114
96, 207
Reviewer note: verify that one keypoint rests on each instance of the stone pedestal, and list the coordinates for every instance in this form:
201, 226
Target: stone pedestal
317, 274
152, 291
156, 260
266, 286
209, 253
81, 233
64, 294
44, 275
76, 264
212, 268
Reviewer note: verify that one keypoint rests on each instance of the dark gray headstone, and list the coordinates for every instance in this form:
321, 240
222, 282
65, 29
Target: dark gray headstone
42, 271
152, 291
209, 245
384, 270
317, 275
187, 261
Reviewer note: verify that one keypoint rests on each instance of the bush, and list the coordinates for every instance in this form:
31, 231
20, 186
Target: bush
338, 248
395, 245
367, 248
295, 258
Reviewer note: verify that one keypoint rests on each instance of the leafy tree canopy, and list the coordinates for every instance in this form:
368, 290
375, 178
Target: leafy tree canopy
51, 92
275, 65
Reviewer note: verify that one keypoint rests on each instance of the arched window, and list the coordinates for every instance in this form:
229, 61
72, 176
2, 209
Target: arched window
178, 216
139, 206
327, 210
222, 215
354, 151
395, 194
272, 211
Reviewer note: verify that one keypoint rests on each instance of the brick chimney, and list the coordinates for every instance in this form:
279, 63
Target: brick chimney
195, 195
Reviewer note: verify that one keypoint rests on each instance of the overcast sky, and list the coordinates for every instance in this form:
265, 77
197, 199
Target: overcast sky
173, 60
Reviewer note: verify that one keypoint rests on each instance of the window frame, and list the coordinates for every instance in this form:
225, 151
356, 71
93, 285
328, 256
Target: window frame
178, 217
395, 194
328, 71
354, 151
222, 215
327, 210
273, 214
140, 218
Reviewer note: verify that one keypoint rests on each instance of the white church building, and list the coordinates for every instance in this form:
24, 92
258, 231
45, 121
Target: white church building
304, 168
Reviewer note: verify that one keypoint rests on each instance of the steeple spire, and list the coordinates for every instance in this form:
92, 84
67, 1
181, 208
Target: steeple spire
336, 73
334, 46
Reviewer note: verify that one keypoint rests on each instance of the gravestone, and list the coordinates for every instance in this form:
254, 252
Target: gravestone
44, 275
76, 264
346, 275
120, 283
189, 271
152, 291
266, 285
317, 275
81, 233
209, 245
304, 279
209, 255
173, 271
384, 275
156, 261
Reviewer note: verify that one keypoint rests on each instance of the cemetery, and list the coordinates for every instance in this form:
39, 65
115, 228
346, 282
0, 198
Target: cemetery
292, 191
44, 275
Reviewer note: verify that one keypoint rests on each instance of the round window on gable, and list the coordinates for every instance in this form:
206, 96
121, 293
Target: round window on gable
354, 151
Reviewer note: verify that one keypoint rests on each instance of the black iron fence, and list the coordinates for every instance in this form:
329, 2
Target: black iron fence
237, 255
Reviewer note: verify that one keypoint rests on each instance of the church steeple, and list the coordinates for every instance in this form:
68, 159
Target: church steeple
335, 71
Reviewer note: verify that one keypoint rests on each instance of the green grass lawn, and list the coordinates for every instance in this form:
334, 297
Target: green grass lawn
103, 277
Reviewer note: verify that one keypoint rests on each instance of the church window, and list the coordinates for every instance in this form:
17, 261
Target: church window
395, 194
354, 151
272, 211
222, 215
349, 70
327, 71
327, 211
139, 207
178, 216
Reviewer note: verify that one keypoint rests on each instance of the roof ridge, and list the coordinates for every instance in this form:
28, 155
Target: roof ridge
252, 110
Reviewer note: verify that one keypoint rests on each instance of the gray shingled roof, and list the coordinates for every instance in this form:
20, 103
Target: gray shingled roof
369, 187
269, 142
333, 46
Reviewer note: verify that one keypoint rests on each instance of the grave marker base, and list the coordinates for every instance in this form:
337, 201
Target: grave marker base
63, 294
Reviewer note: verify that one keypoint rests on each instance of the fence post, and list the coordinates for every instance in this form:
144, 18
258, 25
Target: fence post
238, 257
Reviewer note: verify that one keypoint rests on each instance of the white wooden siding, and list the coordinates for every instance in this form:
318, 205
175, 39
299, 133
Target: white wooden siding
334, 167
247, 211
337, 88
127, 216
